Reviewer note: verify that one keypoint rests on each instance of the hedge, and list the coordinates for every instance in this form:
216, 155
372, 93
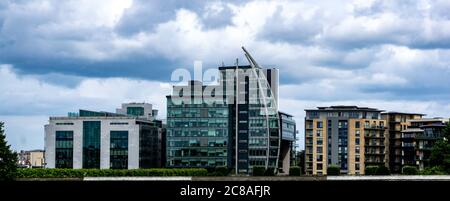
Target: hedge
219, 171
377, 170
269, 172
410, 170
436, 170
333, 170
295, 171
259, 170
79, 173
383, 170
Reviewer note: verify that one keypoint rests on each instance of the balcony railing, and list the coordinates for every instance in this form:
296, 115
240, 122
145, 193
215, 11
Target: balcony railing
374, 127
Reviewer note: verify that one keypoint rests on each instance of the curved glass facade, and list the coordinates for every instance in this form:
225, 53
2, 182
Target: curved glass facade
239, 131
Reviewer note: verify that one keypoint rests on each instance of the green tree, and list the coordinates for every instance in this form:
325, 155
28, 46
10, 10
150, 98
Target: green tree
8, 158
440, 152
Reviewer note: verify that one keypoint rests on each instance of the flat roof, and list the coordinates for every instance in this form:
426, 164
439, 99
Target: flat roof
344, 108
407, 113
281, 112
427, 120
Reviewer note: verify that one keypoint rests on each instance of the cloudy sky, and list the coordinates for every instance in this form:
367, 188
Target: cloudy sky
59, 56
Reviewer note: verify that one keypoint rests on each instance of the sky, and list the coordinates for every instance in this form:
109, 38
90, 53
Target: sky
61, 56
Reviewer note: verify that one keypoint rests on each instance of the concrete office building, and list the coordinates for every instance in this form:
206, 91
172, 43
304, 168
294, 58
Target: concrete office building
128, 139
350, 137
396, 123
234, 123
418, 139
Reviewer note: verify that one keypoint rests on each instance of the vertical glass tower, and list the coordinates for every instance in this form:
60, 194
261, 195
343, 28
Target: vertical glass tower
197, 132
238, 128
64, 149
91, 144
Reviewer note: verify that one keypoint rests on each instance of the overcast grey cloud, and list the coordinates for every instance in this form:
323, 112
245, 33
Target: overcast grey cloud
58, 56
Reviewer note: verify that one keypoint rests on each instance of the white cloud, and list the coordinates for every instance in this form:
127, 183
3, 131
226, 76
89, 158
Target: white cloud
29, 95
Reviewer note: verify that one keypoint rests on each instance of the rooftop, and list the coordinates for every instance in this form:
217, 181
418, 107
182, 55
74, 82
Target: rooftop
404, 113
345, 108
436, 119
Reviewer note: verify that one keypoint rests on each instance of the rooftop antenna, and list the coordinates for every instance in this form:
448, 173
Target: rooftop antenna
250, 59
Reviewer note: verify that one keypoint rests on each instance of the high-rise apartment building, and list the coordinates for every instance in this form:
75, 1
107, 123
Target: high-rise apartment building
418, 139
128, 139
350, 137
396, 123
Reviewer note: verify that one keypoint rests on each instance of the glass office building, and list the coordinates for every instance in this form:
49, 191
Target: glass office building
234, 123
197, 134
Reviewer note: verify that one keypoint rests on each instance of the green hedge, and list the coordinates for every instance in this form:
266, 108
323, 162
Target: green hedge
258, 170
79, 173
220, 171
436, 170
377, 170
269, 172
295, 171
333, 170
410, 170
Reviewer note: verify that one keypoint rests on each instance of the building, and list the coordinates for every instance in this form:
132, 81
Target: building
396, 123
287, 145
31, 159
140, 110
234, 123
350, 137
128, 139
197, 134
418, 139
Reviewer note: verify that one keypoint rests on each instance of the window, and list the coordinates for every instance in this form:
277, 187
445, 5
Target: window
319, 124
357, 124
319, 166
319, 150
135, 111
319, 158
357, 133
319, 141
357, 158
118, 123
119, 149
356, 166
64, 123
357, 141
319, 133
356, 150
64, 149
91, 144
